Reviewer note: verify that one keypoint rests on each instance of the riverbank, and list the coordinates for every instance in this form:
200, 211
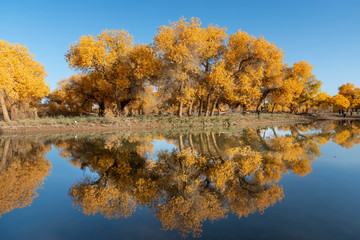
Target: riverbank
98, 124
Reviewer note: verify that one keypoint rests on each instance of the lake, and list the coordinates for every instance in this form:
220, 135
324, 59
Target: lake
286, 182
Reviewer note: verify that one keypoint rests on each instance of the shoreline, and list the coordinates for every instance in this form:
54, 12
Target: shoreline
81, 125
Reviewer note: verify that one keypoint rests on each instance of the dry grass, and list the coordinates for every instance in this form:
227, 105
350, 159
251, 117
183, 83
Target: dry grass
91, 123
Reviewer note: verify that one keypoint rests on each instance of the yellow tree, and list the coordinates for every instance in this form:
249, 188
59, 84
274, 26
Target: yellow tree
21, 78
341, 101
291, 84
322, 100
222, 84
179, 46
352, 94
256, 65
79, 93
102, 54
312, 87
146, 101
214, 45
116, 61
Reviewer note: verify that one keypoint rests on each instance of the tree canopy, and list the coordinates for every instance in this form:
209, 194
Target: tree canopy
21, 79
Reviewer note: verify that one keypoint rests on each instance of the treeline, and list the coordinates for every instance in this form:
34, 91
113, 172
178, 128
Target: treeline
187, 66
187, 69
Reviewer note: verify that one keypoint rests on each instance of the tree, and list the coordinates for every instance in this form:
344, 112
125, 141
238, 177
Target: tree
351, 93
222, 85
312, 87
322, 100
79, 93
179, 47
291, 84
256, 65
214, 46
21, 78
115, 61
341, 101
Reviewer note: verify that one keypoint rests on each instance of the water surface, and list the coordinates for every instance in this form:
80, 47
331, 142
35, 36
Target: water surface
293, 182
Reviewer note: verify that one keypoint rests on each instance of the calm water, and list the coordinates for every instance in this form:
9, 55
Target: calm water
295, 182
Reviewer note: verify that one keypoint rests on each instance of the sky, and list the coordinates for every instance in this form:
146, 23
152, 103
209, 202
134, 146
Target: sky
324, 33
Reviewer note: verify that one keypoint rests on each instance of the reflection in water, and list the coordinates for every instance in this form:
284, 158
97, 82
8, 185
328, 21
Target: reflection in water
347, 134
23, 169
207, 176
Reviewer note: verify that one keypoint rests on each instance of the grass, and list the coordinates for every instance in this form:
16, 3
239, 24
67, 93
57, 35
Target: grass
155, 120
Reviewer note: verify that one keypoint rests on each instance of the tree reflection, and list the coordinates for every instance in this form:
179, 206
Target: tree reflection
23, 169
347, 133
119, 163
207, 177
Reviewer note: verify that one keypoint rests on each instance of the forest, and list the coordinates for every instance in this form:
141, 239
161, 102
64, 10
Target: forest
187, 70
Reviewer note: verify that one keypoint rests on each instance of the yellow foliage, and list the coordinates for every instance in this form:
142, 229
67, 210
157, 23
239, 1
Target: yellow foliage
21, 76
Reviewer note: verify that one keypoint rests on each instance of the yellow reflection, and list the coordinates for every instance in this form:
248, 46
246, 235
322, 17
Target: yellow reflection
23, 169
209, 175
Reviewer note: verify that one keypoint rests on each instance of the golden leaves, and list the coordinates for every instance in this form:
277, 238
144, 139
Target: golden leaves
100, 52
21, 76
341, 101
189, 63
351, 93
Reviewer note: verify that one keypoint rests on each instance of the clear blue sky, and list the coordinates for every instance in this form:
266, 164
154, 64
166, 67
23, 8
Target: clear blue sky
325, 33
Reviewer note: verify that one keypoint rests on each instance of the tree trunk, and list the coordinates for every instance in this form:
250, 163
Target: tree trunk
35, 113
3, 106
272, 111
213, 107
180, 108
263, 96
14, 112
201, 107
207, 106
190, 109
118, 102
123, 104
101, 109
181, 100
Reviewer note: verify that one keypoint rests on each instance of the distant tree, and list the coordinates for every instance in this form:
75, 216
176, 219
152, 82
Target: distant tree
340, 101
351, 93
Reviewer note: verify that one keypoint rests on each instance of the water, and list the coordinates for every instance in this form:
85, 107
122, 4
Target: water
290, 182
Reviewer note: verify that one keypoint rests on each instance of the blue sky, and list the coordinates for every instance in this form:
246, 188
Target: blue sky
325, 33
